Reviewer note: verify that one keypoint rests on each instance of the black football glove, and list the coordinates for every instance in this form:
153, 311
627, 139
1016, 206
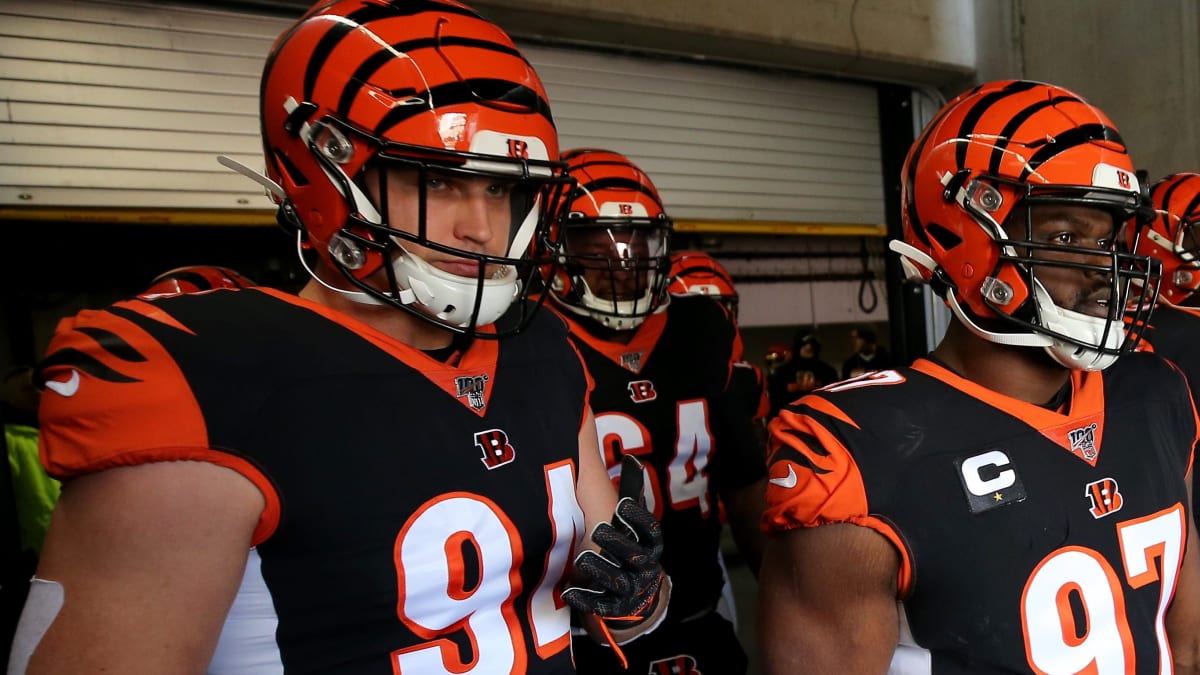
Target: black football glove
621, 581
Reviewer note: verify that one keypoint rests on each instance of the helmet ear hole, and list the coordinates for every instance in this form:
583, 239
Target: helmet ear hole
294, 175
946, 239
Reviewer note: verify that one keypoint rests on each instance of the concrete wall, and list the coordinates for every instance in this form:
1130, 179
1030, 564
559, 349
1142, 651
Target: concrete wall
917, 41
1137, 61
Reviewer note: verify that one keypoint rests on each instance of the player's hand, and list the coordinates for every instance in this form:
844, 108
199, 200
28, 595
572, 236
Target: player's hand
621, 581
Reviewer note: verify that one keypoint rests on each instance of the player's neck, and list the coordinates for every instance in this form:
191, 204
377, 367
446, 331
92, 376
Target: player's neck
1024, 373
391, 321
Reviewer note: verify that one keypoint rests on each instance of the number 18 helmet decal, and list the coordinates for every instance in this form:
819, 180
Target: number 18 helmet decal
359, 89
614, 242
987, 157
1174, 235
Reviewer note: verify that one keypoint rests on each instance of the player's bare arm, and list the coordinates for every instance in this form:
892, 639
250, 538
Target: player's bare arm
827, 601
140, 567
744, 508
596, 494
1183, 619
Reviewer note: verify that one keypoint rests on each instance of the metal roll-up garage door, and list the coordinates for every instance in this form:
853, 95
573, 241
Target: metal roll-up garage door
725, 143
125, 104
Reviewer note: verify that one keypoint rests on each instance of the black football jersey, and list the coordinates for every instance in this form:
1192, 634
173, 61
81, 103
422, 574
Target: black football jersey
1174, 333
1031, 540
420, 516
665, 397
750, 387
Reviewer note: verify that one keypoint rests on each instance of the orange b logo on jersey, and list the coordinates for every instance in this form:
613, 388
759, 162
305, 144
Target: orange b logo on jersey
1105, 497
495, 447
641, 391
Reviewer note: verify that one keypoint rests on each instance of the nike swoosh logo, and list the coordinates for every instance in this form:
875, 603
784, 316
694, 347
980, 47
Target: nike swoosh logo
787, 482
67, 388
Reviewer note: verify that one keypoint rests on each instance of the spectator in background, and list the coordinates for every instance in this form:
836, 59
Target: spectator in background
801, 374
868, 354
27, 498
35, 492
776, 356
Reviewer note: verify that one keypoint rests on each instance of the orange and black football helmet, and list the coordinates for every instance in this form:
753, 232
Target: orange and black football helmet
195, 279
358, 90
987, 157
614, 242
1173, 236
698, 273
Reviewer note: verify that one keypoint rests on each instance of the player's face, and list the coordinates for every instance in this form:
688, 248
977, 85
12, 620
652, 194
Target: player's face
470, 213
1086, 291
613, 261
857, 340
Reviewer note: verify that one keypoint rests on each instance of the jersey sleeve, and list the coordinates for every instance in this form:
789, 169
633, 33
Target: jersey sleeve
740, 460
751, 389
114, 396
1190, 421
814, 477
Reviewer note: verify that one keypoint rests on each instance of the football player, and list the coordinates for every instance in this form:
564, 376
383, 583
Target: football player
662, 367
1016, 501
411, 508
698, 273
1173, 237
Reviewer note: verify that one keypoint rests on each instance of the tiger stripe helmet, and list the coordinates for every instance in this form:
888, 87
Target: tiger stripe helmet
698, 273
985, 159
614, 243
195, 279
413, 86
1174, 235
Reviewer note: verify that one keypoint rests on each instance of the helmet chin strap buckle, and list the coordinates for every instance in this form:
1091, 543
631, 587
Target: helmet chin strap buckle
913, 260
